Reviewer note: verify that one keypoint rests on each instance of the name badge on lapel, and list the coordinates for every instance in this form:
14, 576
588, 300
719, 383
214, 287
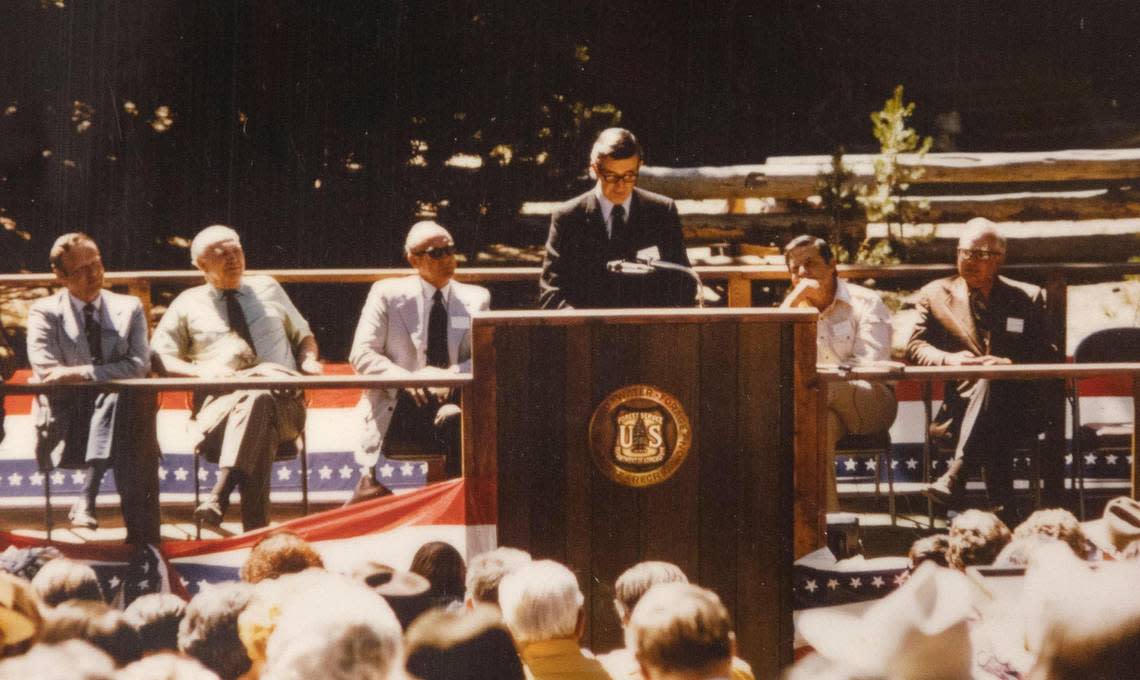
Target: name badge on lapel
1014, 325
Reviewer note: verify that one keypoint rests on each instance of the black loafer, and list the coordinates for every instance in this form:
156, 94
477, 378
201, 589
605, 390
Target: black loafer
210, 511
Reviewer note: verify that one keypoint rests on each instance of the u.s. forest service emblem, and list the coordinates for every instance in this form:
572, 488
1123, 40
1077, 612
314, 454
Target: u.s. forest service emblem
640, 435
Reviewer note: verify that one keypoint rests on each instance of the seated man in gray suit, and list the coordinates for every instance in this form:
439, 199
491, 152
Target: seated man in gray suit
84, 334
419, 326
240, 326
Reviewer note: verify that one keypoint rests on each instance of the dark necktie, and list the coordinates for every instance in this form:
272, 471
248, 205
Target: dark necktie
94, 333
437, 333
980, 310
617, 221
238, 322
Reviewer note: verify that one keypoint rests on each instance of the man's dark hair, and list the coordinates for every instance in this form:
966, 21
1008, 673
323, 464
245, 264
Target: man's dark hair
461, 646
209, 630
802, 240
156, 617
616, 143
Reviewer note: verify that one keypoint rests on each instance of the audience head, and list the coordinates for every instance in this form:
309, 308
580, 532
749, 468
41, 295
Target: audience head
615, 161
341, 631
77, 264
166, 666
20, 619
408, 594
981, 253
929, 549
279, 553
472, 645
68, 660
637, 580
442, 565
810, 258
217, 251
1055, 523
976, 538
63, 579
156, 617
1092, 630
97, 623
679, 630
208, 631
541, 601
430, 250
1018, 553
486, 571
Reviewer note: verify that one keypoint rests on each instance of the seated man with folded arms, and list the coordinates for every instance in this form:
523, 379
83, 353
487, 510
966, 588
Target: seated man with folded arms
854, 329
84, 334
416, 326
237, 326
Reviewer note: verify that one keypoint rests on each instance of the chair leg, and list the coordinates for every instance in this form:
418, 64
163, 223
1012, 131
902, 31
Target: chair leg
304, 457
47, 503
928, 415
1078, 464
197, 499
890, 487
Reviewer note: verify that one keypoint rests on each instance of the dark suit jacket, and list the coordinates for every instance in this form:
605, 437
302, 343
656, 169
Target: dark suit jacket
577, 249
1022, 334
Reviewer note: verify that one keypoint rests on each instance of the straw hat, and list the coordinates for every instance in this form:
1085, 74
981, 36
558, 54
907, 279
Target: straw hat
1117, 527
919, 632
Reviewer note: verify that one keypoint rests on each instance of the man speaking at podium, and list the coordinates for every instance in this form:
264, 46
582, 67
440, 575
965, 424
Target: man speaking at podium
616, 245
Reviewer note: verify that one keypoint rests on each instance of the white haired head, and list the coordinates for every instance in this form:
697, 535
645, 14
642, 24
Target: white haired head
215, 233
541, 601
421, 233
341, 631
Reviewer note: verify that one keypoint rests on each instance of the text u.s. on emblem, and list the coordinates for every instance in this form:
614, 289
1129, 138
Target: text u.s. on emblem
639, 435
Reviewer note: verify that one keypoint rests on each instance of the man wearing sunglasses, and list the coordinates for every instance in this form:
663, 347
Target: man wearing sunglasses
613, 221
979, 318
418, 325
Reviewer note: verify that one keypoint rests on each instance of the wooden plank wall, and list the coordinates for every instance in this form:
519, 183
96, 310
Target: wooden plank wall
725, 517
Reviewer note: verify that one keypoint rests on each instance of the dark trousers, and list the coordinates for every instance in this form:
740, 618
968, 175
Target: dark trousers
413, 428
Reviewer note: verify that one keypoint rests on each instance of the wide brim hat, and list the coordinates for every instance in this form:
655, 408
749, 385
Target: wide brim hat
1117, 527
919, 632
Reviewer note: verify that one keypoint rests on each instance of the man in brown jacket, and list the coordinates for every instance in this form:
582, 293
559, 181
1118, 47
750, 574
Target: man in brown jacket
978, 318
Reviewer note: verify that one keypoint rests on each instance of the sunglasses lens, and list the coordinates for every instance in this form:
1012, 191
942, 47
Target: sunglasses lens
440, 253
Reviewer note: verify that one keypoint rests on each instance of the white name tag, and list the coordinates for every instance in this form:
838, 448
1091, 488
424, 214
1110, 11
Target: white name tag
1014, 325
461, 322
650, 253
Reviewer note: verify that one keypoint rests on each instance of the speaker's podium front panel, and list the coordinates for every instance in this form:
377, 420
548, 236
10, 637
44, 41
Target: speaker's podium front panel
613, 437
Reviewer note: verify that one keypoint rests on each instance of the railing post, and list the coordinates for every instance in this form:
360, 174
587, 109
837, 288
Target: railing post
739, 291
140, 288
1052, 466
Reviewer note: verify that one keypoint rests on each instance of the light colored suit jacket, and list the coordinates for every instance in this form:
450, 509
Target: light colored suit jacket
391, 341
77, 426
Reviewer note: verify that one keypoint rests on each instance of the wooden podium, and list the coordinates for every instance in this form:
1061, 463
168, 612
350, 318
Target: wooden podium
742, 380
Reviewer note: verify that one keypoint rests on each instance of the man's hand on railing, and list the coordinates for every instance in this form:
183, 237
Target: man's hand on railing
66, 374
968, 358
310, 366
427, 395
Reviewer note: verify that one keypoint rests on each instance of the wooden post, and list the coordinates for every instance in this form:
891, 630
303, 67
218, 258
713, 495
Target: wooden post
1052, 465
810, 441
739, 292
140, 288
1135, 433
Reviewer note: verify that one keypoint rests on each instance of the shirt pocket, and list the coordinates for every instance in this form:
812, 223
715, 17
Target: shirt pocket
842, 338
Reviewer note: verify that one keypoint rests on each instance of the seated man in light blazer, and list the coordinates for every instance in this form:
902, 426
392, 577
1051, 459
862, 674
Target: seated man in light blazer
83, 334
419, 326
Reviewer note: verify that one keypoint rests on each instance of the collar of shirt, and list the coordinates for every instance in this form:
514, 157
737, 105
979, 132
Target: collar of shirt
842, 295
608, 205
78, 305
216, 293
429, 292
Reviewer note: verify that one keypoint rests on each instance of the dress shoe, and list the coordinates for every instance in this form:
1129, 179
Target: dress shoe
210, 511
81, 517
944, 491
366, 489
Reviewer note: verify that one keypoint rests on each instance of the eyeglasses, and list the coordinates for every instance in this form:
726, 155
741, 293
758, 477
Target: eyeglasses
612, 178
980, 255
437, 253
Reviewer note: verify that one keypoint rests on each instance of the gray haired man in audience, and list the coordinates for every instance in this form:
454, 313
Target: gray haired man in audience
854, 329
542, 607
680, 631
237, 325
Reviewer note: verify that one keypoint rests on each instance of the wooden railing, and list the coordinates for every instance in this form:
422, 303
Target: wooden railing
739, 278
